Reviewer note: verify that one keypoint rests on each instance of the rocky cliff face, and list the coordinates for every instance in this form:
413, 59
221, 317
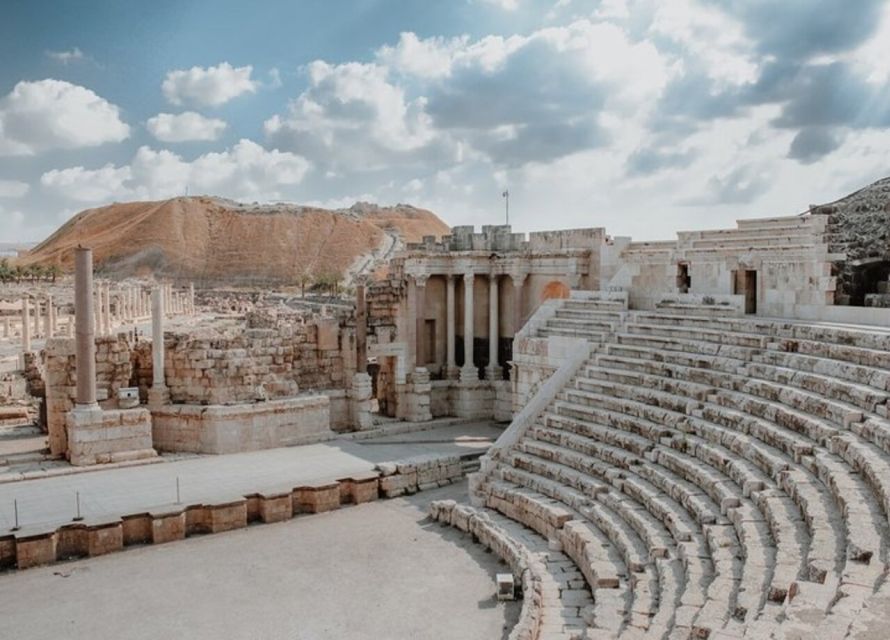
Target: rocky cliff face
210, 240
859, 226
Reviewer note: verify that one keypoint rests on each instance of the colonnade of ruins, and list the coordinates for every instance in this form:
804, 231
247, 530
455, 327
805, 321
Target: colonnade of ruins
468, 372
111, 308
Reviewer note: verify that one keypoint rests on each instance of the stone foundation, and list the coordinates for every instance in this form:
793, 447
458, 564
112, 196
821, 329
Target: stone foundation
44, 545
234, 428
473, 399
96, 436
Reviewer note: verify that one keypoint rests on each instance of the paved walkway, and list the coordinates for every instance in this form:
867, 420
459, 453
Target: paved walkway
115, 492
377, 570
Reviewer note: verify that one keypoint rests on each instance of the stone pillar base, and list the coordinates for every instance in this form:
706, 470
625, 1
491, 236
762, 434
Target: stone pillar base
494, 374
360, 401
96, 436
474, 400
158, 396
469, 374
414, 397
452, 373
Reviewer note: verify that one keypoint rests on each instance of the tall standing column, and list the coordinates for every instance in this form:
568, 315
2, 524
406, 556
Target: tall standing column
451, 370
26, 325
48, 318
35, 331
53, 318
517, 302
493, 371
106, 308
361, 327
192, 297
420, 311
85, 354
158, 393
469, 371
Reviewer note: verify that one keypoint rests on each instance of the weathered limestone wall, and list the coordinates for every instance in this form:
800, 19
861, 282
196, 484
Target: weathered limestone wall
257, 364
97, 436
114, 370
245, 427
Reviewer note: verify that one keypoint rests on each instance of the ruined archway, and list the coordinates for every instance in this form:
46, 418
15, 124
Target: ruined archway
555, 289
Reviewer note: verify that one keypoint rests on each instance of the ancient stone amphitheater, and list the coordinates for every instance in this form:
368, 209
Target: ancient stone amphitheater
697, 475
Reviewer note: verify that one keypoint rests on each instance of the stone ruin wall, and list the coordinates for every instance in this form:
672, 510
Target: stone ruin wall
258, 364
384, 300
115, 366
859, 226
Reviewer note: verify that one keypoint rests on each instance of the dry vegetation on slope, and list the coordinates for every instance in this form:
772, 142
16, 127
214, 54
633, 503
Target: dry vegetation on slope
212, 240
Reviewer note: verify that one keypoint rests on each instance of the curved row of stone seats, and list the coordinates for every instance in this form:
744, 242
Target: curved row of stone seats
592, 319
690, 511
757, 447
646, 515
831, 563
859, 455
555, 595
846, 493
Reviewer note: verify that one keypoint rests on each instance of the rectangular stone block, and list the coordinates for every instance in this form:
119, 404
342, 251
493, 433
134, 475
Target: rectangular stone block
71, 542
35, 550
104, 538
136, 529
316, 498
228, 515
276, 507
7, 551
359, 489
168, 526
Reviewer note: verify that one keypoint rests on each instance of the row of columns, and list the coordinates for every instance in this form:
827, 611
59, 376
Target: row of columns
85, 303
131, 304
468, 372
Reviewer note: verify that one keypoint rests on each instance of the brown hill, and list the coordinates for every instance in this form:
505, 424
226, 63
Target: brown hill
211, 240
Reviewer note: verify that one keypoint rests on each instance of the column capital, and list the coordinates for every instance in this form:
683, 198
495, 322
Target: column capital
517, 277
420, 279
469, 276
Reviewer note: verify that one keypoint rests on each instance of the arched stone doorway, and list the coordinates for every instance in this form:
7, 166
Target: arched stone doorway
555, 289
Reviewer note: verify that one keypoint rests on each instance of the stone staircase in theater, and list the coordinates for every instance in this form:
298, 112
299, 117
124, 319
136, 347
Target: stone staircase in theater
710, 477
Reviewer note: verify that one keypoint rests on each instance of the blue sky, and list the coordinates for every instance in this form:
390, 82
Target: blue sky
642, 116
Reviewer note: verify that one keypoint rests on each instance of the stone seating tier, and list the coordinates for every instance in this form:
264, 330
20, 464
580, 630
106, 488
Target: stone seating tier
737, 468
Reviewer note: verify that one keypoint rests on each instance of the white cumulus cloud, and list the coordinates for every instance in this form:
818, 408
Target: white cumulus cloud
182, 127
54, 114
247, 171
64, 57
13, 188
208, 87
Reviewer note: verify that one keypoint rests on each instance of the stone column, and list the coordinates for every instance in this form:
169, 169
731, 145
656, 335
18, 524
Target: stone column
48, 318
6, 326
36, 330
106, 308
517, 281
158, 393
53, 318
451, 370
468, 372
85, 354
361, 326
26, 326
493, 371
192, 297
420, 317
